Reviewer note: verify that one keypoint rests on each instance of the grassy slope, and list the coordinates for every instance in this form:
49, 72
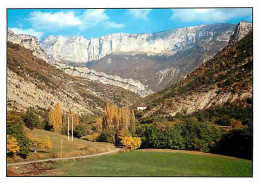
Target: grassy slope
75, 148
155, 164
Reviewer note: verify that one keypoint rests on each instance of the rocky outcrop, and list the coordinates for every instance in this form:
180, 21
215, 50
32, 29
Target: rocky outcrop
79, 49
29, 42
242, 29
32, 43
83, 72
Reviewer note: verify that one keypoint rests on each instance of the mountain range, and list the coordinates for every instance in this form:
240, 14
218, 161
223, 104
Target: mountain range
156, 60
123, 67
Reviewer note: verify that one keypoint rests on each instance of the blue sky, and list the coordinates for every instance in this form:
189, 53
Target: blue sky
99, 22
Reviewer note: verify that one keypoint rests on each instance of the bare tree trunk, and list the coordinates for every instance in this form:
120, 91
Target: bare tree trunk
35, 148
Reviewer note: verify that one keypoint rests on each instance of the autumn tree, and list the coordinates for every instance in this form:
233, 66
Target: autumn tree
131, 143
98, 124
132, 122
40, 143
75, 120
55, 118
12, 145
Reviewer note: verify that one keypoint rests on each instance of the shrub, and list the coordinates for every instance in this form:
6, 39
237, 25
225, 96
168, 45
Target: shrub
235, 124
107, 135
31, 120
80, 131
131, 143
93, 137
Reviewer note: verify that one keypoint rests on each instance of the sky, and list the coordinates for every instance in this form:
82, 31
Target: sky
91, 23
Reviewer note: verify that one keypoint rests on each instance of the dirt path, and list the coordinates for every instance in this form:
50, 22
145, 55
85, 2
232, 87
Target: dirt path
188, 152
58, 159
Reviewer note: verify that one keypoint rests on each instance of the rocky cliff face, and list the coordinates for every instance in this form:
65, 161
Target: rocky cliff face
168, 66
226, 79
242, 29
32, 43
29, 42
78, 49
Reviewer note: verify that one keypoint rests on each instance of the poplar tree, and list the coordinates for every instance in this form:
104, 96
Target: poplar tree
55, 118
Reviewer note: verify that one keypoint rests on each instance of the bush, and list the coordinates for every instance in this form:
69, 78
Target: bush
31, 120
15, 129
131, 143
93, 137
107, 136
80, 131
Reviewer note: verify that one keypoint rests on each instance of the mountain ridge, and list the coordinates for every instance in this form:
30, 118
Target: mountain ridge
32, 43
164, 42
226, 79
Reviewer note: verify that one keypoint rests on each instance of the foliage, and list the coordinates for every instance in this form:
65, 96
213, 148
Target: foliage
31, 120
55, 118
107, 135
80, 131
237, 142
12, 145
118, 122
235, 124
93, 137
190, 135
40, 143
14, 128
131, 143
75, 120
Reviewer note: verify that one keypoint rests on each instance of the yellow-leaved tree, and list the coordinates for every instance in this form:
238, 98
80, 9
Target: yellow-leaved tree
12, 145
131, 143
55, 118
75, 120
40, 143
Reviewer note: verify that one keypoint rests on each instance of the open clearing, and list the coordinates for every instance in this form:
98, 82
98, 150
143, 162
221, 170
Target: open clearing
139, 163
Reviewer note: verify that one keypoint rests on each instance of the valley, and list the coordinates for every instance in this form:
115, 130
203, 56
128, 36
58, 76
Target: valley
177, 103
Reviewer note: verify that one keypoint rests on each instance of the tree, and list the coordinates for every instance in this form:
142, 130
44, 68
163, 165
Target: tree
132, 125
131, 143
98, 124
40, 143
15, 129
12, 145
55, 118
80, 131
75, 120
31, 120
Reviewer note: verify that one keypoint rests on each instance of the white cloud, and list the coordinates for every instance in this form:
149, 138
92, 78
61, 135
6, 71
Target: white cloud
139, 13
31, 32
59, 20
209, 15
114, 25
54, 20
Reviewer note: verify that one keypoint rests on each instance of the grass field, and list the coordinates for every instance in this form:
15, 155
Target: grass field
140, 163
75, 148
